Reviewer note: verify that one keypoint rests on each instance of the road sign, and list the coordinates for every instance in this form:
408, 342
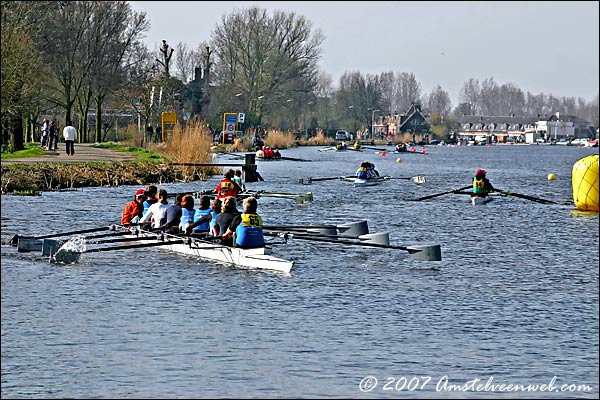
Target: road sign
229, 127
241, 118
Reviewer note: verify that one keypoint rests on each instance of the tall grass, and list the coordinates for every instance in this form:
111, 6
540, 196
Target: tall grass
190, 144
280, 140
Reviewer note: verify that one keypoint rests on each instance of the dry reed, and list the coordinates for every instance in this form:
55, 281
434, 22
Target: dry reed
280, 140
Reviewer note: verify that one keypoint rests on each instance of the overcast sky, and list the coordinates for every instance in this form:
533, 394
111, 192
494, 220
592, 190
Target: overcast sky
549, 47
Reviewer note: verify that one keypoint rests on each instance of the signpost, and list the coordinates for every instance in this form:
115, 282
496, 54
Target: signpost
229, 127
169, 119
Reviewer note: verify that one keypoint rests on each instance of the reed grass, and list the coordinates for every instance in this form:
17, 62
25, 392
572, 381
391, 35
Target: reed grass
190, 144
280, 140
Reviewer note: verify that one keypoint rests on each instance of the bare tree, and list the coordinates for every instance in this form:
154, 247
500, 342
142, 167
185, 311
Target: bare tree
387, 88
265, 58
471, 95
22, 68
408, 90
438, 102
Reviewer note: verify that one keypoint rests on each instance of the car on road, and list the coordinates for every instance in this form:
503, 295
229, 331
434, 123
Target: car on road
342, 135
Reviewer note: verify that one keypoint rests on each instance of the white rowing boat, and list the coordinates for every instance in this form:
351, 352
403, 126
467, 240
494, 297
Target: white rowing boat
477, 200
259, 258
366, 182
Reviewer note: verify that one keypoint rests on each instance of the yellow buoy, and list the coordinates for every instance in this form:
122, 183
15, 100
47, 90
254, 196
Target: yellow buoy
551, 177
398, 159
585, 183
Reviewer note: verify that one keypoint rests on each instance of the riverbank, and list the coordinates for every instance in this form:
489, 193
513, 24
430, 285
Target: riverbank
89, 166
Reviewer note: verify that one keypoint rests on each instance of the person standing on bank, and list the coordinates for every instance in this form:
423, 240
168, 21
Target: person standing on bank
52, 142
70, 135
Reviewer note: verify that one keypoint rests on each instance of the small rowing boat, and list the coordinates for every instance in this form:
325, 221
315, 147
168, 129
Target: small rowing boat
478, 200
366, 182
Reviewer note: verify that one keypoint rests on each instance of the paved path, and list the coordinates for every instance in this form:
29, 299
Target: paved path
84, 152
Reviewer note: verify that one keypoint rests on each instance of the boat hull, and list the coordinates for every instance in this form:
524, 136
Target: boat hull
367, 182
476, 200
244, 258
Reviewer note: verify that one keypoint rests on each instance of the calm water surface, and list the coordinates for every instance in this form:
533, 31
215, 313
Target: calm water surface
514, 300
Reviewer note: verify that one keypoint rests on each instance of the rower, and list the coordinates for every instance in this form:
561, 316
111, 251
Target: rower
481, 184
247, 227
361, 172
133, 211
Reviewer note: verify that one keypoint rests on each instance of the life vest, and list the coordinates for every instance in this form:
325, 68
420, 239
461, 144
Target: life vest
260, 154
249, 233
227, 188
361, 173
203, 227
479, 187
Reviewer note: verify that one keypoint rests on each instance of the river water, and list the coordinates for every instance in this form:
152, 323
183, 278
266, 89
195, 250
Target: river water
514, 300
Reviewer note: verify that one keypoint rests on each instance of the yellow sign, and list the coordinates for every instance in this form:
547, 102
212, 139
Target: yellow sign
169, 118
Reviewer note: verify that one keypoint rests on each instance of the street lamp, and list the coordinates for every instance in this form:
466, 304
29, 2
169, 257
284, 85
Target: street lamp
373, 123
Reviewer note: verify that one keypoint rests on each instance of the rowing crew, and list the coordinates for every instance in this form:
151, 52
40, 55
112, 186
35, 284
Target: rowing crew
221, 218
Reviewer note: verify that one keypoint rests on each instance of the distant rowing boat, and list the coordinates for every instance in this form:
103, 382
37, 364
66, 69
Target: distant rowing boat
366, 182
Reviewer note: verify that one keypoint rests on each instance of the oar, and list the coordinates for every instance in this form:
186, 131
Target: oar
300, 197
101, 228
118, 240
294, 159
526, 197
431, 196
294, 227
350, 229
136, 246
426, 252
416, 179
372, 148
333, 178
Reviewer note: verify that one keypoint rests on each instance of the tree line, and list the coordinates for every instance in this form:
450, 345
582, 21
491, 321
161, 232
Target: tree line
71, 58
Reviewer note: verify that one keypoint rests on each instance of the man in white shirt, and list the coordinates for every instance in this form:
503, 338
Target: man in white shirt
70, 135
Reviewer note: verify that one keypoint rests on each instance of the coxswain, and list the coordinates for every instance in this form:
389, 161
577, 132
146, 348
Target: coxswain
227, 187
247, 227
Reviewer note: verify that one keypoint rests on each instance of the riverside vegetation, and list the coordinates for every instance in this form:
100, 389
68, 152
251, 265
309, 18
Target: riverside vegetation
156, 164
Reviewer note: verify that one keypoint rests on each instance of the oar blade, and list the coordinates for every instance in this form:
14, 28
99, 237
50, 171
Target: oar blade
65, 256
425, 252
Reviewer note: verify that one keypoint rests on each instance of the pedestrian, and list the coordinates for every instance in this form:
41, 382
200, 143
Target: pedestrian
45, 128
149, 134
52, 137
158, 134
70, 135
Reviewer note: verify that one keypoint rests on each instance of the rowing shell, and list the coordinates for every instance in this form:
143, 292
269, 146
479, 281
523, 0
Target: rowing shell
476, 200
258, 258
367, 182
